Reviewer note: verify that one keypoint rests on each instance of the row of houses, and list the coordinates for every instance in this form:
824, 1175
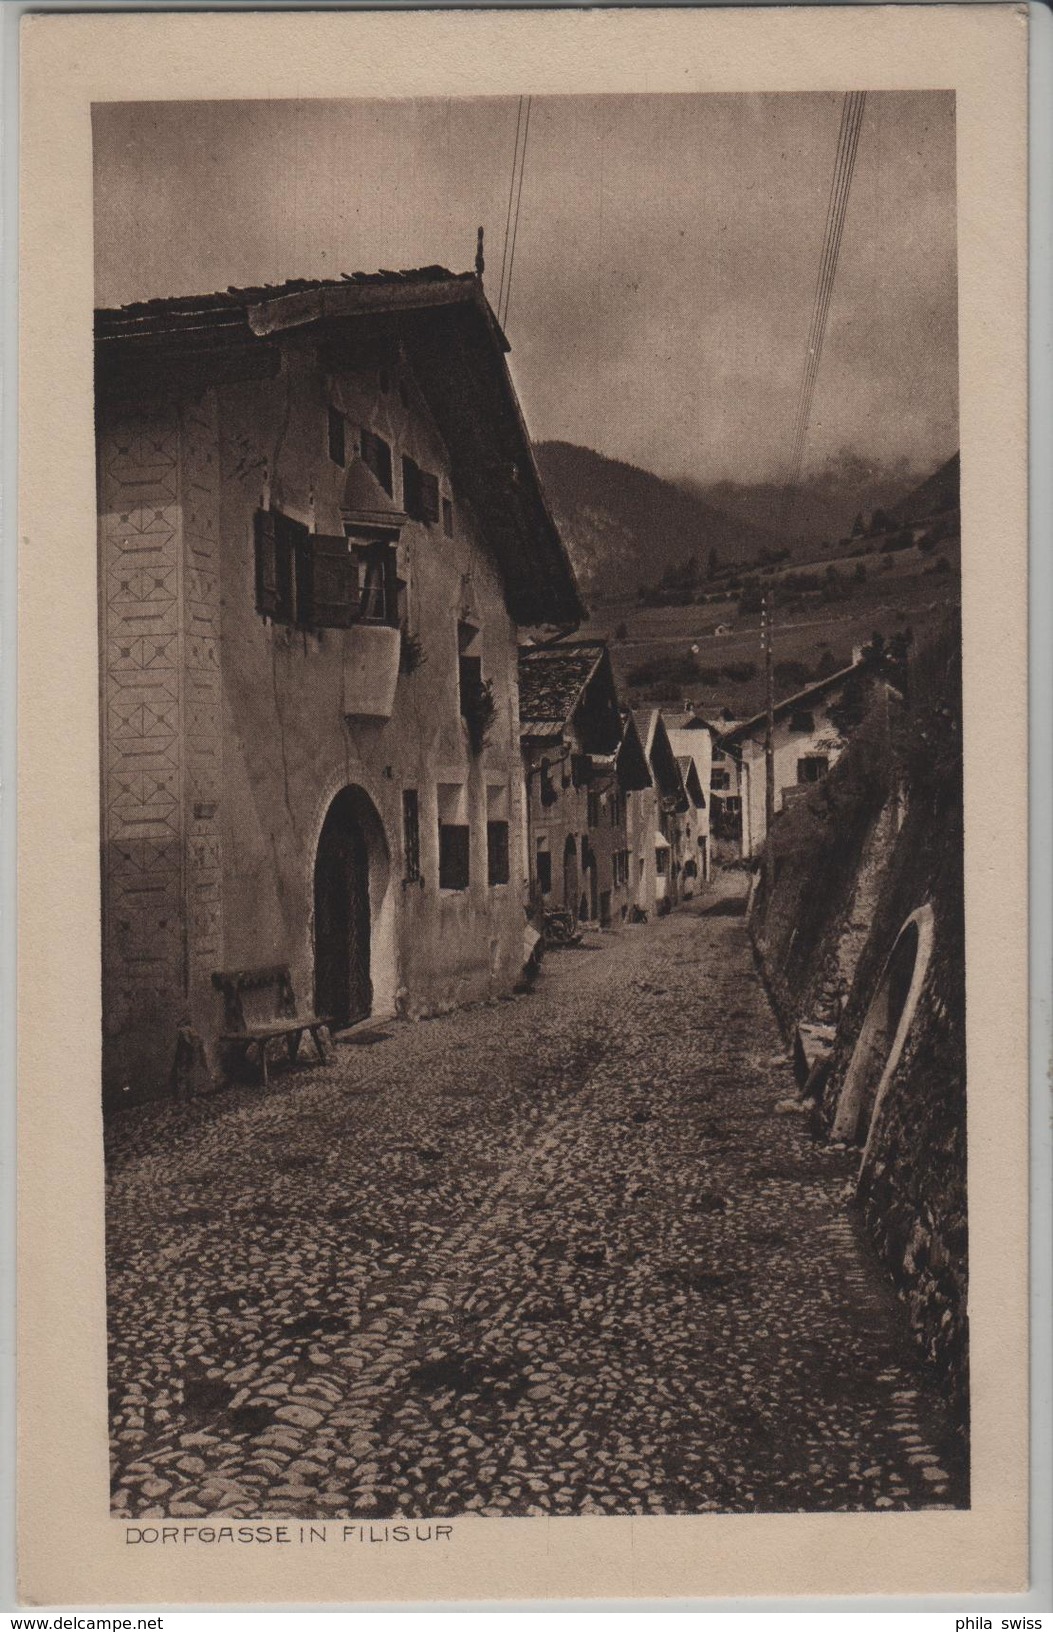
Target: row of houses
350, 739
617, 818
341, 755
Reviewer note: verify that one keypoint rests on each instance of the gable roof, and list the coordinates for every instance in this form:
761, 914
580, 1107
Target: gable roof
691, 780
553, 681
634, 771
667, 777
810, 694
455, 347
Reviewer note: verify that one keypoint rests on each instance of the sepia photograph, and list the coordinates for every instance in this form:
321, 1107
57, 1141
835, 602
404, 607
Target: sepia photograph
530, 728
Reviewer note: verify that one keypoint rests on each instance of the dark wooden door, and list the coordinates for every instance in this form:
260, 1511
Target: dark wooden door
342, 985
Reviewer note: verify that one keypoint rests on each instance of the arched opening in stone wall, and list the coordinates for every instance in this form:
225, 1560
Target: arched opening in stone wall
884, 1031
353, 930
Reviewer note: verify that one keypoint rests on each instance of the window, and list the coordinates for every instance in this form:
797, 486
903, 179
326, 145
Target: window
453, 837
547, 791
317, 582
497, 852
411, 834
617, 806
720, 779
278, 541
420, 492
376, 583
661, 862
447, 517
337, 437
497, 867
802, 719
718, 753
376, 454
544, 867
580, 770
593, 805
812, 768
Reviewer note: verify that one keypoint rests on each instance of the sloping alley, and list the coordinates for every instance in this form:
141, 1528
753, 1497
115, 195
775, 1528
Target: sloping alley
563, 1254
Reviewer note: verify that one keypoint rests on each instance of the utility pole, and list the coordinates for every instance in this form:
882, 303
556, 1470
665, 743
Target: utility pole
769, 739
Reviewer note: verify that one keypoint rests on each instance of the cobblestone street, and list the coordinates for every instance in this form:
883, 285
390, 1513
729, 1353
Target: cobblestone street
551, 1256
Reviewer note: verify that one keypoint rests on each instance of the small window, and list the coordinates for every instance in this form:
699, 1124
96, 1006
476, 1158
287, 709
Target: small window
544, 867
411, 834
453, 856
661, 862
453, 837
580, 770
547, 790
593, 803
720, 779
377, 583
337, 437
497, 852
376, 454
812, 768
802, 719
447, 517
497, 864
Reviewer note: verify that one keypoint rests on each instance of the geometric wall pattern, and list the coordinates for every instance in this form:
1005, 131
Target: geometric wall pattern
159, 590
202, 695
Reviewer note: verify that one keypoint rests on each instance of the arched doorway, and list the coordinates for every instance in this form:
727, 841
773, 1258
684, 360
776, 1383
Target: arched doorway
343, 985
570, 876
884, 1031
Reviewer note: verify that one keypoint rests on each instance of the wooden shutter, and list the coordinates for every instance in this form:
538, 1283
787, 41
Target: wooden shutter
411, 499
376, 454
329, 594
276, 540
429, 496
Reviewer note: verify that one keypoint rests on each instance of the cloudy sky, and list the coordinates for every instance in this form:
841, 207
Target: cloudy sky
665, 266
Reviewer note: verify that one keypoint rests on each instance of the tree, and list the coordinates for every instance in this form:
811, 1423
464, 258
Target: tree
714, 563
858, 528
879, 522
860, 574
622, 632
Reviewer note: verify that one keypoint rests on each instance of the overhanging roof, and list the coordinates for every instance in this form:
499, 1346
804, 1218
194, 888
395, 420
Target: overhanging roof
442, 322
810, 694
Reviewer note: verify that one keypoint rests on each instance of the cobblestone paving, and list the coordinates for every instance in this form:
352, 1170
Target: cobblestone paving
556, 1255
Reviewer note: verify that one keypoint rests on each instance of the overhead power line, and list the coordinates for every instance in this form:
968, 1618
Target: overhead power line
502, 315
837, 206
508, 215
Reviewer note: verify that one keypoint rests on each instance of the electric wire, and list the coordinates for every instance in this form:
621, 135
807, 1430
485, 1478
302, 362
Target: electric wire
837, 207
515, 224
508, 215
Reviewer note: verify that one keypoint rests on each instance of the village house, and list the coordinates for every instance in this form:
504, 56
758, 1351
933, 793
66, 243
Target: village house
579, 769
321, 532
807, 742
691, 739
656, 820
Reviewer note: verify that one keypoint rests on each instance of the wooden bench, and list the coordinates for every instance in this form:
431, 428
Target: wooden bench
259, 1007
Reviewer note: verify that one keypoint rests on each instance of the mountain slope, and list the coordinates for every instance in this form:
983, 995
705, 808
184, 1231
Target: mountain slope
624, 526
934, 496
